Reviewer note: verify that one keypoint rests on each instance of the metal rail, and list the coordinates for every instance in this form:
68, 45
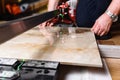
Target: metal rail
13, 28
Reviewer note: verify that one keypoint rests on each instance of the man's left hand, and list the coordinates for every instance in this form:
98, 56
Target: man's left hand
102, 25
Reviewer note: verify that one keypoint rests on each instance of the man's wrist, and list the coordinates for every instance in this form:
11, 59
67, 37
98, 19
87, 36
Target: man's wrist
113, 16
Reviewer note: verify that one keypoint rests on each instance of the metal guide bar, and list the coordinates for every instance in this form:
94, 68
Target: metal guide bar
110, 51
13, 28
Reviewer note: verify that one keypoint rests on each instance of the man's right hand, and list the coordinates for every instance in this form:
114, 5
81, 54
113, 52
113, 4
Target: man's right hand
44, 24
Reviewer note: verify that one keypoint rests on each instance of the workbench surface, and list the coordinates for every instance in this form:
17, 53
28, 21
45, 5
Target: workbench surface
114, 67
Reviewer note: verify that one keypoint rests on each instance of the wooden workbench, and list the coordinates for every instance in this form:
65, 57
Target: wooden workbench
113, 63
114, 67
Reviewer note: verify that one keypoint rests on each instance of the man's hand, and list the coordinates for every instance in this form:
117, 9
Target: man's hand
45, 24
102, 25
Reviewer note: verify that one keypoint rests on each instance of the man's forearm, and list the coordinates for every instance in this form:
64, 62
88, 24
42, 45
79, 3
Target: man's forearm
52, 4
115, 7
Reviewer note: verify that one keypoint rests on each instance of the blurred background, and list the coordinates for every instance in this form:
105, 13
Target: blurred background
13, 9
